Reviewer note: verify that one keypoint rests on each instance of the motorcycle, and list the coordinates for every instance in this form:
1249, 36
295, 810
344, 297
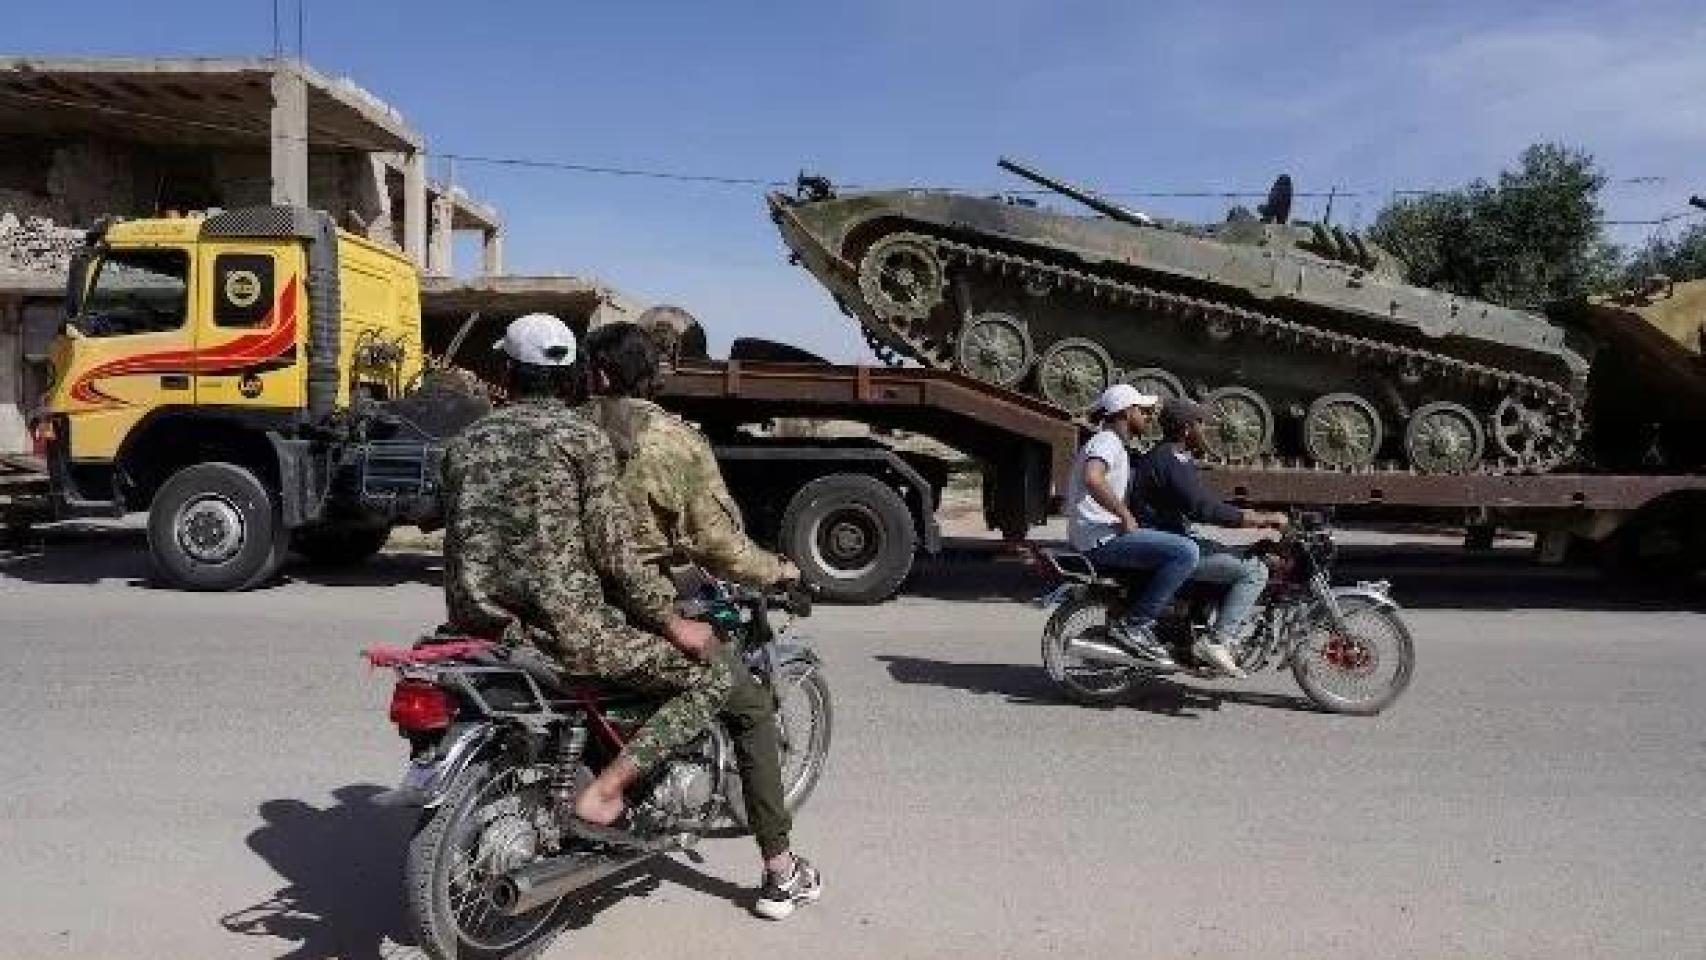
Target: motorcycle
1347, 647
501, 742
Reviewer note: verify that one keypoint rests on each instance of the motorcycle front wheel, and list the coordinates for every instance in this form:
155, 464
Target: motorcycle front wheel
1085, 681
489, 823
804, 721
1362, 670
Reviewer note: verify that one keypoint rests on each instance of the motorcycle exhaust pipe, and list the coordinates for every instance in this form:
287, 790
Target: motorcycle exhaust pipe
541, 883
1104, 653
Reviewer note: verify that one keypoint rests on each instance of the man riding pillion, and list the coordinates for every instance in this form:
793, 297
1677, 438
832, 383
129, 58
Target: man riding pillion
1103, 528
1167, 494
684, 515
537, 554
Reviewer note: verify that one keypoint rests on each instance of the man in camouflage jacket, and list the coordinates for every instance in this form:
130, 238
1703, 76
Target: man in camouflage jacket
683, 514
537, 552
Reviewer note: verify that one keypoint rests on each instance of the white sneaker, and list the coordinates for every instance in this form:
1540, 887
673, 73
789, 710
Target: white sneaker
779, 898
1221, 658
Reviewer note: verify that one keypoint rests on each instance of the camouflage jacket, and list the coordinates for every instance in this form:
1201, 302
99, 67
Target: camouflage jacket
538, 535
682, 508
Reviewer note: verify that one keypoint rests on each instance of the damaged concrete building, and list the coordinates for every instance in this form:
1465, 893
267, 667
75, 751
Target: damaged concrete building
82, 139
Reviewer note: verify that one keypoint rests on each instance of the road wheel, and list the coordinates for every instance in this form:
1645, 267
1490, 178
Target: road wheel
214, 526
338, 545
852, 537
1085, 681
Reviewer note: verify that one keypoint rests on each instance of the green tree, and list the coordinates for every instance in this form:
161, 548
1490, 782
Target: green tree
1682, 258
1531, 238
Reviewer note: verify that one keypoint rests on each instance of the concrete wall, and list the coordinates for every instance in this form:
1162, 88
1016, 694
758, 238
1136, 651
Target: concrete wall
66, 184
14, 432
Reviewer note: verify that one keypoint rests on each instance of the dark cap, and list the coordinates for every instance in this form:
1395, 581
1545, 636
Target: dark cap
1177, 413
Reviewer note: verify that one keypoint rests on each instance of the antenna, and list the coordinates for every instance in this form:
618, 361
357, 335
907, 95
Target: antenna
300, 16
277, 50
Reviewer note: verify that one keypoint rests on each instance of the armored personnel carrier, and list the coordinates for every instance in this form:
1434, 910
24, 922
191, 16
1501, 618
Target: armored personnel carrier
1302, 339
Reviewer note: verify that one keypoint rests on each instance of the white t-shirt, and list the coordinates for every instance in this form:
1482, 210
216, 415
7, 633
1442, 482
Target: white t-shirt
1087, 522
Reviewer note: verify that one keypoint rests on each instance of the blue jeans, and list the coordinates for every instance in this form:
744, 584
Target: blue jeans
1168, 557
1246, 576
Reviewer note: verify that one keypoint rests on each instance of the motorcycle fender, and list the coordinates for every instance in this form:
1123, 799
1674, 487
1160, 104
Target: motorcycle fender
781, 654
1059, 595
426, 782
1378, 593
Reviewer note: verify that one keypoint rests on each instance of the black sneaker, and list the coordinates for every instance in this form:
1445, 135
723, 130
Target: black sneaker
779, 898
1138, 640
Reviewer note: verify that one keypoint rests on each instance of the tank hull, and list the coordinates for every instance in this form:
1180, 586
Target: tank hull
1325, 359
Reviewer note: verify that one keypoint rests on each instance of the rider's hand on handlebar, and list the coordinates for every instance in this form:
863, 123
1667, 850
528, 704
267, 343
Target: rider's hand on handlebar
691, 637
790, 573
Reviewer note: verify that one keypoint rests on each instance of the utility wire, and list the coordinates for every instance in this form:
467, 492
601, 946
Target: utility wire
253, 131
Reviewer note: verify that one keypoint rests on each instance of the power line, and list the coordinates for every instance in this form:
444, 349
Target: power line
252, 131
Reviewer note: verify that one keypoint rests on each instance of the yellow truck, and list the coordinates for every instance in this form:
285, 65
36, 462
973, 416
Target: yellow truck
236, 375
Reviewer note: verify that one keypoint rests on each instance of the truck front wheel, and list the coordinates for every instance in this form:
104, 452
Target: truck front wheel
214, 526
852, 537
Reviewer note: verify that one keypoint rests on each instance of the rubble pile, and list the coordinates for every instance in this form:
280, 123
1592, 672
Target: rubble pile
36, 244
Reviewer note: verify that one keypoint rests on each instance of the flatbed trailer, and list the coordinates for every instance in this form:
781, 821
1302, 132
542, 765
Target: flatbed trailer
853, 512
1640, 520
1026, 447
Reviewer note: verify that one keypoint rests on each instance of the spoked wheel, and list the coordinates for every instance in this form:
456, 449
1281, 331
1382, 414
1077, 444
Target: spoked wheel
804, 719
490, 823
1361, 670
1086, 681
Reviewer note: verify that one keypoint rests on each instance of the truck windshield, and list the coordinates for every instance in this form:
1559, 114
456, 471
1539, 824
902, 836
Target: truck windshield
135, 291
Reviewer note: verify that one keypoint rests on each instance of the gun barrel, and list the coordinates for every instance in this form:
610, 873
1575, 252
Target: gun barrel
1105, 207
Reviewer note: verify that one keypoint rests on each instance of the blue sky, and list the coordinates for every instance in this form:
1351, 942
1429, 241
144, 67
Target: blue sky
1121, 94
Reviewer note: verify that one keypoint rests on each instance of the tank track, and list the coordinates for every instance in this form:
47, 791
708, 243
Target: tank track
1562, 409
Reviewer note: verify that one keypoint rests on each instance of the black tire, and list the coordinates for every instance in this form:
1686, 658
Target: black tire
338, 546
215, 527
802, 768
1358, 610
852, 537
427, 872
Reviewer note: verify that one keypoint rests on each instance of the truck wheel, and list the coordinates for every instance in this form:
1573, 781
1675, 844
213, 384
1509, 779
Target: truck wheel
214, 526
338, 546
852, 537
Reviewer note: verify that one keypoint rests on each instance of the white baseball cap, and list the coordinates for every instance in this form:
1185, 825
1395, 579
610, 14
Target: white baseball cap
1120, 396
538, 339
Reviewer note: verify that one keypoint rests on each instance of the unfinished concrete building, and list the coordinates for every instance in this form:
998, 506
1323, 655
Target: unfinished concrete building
83, 138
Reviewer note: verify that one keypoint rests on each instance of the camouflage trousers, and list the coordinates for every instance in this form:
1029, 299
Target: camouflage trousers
650, 664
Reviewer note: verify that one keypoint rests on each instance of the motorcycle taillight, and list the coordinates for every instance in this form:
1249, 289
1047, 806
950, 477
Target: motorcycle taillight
421, 707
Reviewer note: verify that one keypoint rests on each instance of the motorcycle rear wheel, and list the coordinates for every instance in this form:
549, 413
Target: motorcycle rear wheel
1361, 672
1083, 680
478, 832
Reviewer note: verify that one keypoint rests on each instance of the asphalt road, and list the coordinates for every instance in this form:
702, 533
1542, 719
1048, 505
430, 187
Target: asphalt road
191, 776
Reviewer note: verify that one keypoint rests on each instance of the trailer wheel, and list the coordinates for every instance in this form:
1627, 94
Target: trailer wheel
338, 545
852, 537
215, 527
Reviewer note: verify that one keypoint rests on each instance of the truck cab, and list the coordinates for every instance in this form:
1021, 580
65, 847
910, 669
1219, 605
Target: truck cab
213, 371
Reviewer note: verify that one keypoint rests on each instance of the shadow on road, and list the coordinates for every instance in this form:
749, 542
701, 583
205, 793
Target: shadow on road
1029, 684
342, 867
97, 554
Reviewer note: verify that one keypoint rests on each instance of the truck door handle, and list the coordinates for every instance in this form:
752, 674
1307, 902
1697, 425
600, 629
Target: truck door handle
175, 381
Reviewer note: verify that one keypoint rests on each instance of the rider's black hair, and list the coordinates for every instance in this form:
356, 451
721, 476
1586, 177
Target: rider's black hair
528, 380
626, 357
